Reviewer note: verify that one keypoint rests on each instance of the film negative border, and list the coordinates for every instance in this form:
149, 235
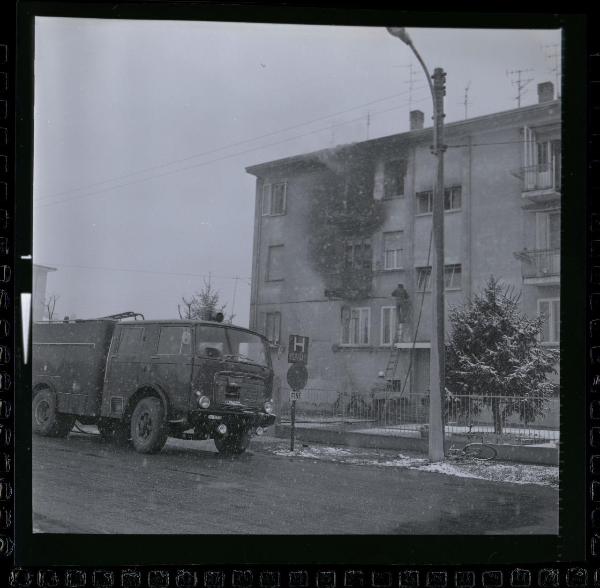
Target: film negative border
593, 310
547, 575
6, 289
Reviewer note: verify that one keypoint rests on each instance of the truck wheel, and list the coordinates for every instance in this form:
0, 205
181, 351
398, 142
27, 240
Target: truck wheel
45, 419
148, 426
233, 444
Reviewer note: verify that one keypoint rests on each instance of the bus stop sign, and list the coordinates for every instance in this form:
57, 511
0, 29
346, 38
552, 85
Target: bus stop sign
297, 375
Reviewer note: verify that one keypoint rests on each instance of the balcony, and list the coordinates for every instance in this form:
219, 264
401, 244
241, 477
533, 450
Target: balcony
540, 266
541, 182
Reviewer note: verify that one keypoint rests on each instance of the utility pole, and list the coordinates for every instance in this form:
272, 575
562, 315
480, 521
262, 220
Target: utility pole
368, 123
519, 82
437, 373
437, 364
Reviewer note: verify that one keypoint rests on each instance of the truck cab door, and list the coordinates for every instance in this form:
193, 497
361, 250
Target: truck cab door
121, 379
170, 367
210, 355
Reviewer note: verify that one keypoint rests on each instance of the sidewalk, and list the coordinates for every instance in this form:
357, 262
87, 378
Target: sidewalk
496, 471
395, 438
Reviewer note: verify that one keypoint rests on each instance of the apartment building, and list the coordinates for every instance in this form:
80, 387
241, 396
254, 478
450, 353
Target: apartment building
336, 231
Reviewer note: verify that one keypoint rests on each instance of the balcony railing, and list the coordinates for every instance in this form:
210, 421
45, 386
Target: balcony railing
544, 176
540, 263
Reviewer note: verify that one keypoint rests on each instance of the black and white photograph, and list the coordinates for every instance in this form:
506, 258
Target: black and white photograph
295, 279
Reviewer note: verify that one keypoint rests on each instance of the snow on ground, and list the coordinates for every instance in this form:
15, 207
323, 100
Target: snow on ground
491, 471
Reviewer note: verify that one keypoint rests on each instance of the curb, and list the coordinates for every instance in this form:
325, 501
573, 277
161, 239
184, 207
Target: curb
516, 453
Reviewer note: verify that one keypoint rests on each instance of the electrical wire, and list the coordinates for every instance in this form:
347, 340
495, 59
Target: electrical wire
217, 149
204, 163
116, 269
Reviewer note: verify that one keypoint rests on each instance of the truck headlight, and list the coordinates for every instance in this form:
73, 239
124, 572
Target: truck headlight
204, 401
268, 407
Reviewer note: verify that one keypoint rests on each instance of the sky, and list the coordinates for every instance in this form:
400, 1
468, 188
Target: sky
143, 130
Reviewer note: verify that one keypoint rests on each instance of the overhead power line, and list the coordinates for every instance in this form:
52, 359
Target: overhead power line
228, 146
142, 271
204, 163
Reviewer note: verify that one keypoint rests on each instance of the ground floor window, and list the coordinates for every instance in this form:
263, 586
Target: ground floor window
549, 309
356, 326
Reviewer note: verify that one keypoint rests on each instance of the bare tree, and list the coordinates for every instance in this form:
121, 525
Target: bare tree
50, 305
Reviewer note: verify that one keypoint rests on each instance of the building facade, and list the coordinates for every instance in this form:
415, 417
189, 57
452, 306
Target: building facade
336, 231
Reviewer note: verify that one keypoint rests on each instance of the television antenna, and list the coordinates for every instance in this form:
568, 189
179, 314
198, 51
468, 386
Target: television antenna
517, 80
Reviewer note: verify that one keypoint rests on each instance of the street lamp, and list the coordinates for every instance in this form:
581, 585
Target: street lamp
437, 373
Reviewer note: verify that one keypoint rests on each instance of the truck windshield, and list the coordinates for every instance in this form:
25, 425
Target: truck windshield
222, 342
248, 347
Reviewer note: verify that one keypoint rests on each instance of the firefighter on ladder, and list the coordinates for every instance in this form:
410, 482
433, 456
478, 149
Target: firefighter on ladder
402, 309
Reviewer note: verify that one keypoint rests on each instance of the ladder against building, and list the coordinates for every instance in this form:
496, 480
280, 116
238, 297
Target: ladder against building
393, 359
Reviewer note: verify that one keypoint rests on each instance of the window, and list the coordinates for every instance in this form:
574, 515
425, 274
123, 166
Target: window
423, 279
388, 324
357, 254
549, 309
393, 244
452, 277
356, 326
547, 153
547, 227
393, 178
274, 199
211, 341
131, 340
175, 341
452, 200
424, 202
275, 263
273, 327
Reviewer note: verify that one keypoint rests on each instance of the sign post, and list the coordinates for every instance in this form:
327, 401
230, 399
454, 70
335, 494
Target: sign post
297, 376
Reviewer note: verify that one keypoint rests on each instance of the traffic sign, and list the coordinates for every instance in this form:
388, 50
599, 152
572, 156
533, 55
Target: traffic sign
295, 395
298, 349
297, 375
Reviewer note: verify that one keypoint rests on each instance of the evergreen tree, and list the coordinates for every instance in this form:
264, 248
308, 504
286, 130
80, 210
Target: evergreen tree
201, 306
494, 358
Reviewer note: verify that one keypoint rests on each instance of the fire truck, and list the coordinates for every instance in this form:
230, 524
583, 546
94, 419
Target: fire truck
141, 381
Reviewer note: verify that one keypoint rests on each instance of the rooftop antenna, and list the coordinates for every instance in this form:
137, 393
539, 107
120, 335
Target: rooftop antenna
412, 77
518, 81
552, 52
466, 100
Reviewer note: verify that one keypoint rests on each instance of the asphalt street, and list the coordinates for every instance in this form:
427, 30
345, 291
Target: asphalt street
81, 485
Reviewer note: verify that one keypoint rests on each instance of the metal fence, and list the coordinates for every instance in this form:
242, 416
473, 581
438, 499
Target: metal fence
540, 263
544, 176
498, 419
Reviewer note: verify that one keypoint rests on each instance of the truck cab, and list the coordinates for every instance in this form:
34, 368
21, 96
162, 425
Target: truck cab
143, 380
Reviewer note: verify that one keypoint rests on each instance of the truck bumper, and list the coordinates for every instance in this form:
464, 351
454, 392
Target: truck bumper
208, 420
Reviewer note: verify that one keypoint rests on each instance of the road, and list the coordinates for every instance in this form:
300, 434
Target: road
81, 485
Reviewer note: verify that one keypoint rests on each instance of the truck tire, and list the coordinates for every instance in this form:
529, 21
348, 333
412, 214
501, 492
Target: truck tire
148, 426
233, 444
45, 418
